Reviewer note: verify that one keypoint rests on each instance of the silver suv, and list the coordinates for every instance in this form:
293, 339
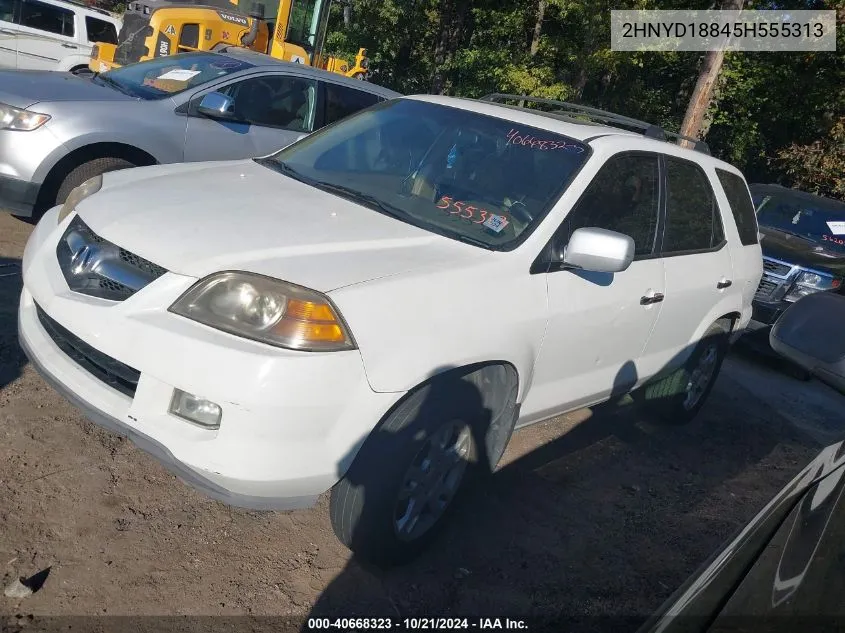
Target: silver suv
58, 130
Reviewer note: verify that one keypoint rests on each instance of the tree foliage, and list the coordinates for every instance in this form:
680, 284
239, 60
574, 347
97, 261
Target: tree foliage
769, 109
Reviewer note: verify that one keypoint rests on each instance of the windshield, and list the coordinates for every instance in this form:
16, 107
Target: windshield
165, 76
461, 174
797, 217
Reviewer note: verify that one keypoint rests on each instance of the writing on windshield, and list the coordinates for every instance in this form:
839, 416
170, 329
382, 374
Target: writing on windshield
796, 217
451, 171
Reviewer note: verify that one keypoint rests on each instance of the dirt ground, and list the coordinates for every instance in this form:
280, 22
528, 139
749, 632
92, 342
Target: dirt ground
594, 515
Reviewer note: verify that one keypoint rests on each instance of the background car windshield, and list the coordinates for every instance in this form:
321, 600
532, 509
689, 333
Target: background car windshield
820, 224
451, 171
164, 76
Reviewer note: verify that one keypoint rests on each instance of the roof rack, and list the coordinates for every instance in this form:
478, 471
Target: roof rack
648, 130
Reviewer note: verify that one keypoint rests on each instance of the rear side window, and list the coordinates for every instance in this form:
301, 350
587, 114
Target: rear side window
623, 197
100, 31
342, 101
46, 17
692, 217
741, 206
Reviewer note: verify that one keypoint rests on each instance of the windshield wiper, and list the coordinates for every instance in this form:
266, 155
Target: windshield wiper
103, 80
284, 168
794, 234
364, 198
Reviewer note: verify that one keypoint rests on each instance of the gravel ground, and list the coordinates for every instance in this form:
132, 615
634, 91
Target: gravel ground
594, 515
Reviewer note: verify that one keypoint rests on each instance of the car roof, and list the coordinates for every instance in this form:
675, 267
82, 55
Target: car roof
260, 60
810, 198
584, 131
84, 8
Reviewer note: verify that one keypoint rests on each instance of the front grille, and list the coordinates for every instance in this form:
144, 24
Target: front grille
775, 267
94, 266
766, 289
115, 374
140, 263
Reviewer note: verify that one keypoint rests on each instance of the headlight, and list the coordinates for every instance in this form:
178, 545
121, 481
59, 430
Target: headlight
808, 283
78, 194
266, 310
21, 120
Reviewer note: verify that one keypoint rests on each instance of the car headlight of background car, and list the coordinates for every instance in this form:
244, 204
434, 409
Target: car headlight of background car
78, 194
809, 282
266, 310
20, 120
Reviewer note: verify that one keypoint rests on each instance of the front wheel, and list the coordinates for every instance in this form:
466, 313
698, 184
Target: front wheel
678, 397
403, 483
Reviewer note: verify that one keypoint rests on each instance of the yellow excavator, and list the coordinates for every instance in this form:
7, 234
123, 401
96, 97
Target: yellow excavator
295, 32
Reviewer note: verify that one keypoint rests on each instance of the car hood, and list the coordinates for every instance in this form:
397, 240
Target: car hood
803, 252
25, 88
198, 218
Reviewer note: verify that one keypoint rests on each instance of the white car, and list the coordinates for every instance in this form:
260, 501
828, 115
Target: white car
380, 304
52, 34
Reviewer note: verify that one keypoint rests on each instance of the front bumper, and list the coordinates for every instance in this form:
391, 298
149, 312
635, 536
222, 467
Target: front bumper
17, 196
292, 421
25, 160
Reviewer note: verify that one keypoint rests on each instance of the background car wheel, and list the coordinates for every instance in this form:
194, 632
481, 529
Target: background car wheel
404, 481
87, 170
81, 71
678, 397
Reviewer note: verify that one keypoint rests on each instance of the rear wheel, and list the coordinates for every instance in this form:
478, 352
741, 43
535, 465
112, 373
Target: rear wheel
678, 397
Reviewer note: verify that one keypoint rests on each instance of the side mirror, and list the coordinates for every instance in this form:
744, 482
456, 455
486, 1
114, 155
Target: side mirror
809, 333
598, 250
217, 106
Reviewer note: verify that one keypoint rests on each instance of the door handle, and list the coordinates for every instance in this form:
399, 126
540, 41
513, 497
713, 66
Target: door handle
69, 46
7, 32
655, 297
723, 283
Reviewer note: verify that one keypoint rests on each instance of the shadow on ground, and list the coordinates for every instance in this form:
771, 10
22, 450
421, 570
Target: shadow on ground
595, 528
12, 358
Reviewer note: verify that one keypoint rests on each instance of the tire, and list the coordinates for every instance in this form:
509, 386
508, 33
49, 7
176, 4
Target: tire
83, 172
372, 508
81, 71
671, 399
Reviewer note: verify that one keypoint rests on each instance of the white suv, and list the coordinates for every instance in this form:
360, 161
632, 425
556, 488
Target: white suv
377, 306
52, 34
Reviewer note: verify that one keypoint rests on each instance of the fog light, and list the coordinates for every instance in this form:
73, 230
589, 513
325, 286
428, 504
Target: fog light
195, 409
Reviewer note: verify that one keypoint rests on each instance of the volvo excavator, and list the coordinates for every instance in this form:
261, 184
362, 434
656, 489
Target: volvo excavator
291, 30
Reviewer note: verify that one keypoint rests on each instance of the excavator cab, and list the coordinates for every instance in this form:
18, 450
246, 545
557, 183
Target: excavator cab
158, 28
291, 30
300, 36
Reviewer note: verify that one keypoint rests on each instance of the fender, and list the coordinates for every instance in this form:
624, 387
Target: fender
156, 144
490, 310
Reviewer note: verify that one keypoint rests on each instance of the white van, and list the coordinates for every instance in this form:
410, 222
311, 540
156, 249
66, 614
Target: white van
52, 34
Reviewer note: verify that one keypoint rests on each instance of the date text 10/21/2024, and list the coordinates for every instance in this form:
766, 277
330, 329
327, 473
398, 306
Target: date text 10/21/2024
415, 624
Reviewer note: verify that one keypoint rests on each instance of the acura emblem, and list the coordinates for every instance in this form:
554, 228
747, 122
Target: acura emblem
82, 259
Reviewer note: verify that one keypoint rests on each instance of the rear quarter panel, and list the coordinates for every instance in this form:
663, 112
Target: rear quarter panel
746, 261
